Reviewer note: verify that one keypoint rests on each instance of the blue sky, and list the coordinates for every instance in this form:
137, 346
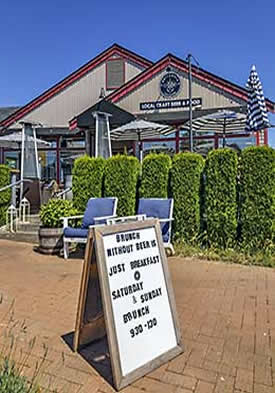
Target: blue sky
42, 42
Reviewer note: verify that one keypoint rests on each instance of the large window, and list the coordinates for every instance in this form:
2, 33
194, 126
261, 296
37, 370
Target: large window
201, 145
238, 143
166, 146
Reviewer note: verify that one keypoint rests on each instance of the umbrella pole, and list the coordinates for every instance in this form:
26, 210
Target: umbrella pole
223, 134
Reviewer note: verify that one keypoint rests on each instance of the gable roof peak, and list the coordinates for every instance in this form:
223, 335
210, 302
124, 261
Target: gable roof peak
72, 78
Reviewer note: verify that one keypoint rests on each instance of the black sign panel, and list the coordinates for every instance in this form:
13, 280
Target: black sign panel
171, 104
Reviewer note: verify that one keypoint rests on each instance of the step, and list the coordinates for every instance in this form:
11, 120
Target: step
34, 219
26, 237
28, 227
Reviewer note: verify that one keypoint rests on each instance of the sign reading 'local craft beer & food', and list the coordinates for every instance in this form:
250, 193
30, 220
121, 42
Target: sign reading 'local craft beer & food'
137, 297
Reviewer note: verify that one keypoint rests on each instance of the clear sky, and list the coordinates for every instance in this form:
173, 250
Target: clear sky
43, 41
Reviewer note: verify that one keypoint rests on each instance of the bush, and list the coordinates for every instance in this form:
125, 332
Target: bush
5, 196
221, 197
87, 180
155, 176
120, 180
257, 197
186, 174
11, 380
51, 213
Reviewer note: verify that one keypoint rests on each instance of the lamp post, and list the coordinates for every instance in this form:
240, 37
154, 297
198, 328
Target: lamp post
191, 144
191, 136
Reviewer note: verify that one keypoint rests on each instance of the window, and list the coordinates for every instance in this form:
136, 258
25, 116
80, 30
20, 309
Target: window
115, 75
238, 143
168, 147
47, 164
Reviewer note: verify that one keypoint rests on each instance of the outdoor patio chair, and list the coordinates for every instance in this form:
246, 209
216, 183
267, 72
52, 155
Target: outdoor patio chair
98, 210
163, 210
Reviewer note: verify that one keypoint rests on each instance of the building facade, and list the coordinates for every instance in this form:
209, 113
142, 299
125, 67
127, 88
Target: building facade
128, 84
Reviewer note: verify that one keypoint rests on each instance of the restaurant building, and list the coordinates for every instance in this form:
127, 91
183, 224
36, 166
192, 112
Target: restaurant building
126, 85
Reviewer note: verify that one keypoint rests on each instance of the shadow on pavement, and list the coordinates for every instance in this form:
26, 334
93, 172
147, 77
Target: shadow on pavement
96, 354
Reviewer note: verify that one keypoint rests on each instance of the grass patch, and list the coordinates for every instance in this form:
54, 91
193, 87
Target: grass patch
264, 258
11, 381
17, 358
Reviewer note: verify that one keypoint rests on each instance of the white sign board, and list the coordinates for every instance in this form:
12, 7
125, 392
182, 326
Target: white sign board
139, 301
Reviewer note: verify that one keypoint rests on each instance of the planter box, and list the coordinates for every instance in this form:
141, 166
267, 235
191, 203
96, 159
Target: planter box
50, 240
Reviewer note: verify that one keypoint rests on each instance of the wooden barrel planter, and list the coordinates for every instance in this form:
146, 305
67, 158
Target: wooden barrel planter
50, 240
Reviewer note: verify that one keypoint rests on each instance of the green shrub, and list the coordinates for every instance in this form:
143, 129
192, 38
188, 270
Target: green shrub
87, 180
11, 380
186, 175
5, 196
220, 208
51, 213
120, 180
155, 176
257, 197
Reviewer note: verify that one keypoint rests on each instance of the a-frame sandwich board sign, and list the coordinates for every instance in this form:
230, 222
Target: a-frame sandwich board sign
136, 305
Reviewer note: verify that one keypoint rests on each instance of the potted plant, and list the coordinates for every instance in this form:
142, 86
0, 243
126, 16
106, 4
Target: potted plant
51, 231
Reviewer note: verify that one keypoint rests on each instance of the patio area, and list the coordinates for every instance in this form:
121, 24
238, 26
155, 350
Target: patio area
226, 313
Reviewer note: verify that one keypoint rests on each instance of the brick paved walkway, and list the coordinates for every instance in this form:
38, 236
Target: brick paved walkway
227, 316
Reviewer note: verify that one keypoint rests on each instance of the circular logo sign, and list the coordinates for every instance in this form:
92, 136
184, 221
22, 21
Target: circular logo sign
170, 84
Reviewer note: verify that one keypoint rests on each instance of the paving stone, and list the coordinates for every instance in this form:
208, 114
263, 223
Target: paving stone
225, 384
244, 380
199, 373
226, 313
258, 388
204, 387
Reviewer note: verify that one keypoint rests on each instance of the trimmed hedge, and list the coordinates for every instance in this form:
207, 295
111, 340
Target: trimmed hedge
257, 197
5, 196
186, 173
120, 180
220, 208
87, 180
155, 176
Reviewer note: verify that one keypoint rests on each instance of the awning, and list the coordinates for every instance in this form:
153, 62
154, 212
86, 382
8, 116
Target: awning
87, 120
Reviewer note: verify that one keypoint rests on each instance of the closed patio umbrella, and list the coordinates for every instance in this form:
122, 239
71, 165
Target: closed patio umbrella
257, 118
138, 130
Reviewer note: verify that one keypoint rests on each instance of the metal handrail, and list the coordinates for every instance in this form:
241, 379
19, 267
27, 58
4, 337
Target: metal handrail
14, 184
60, 194
10, 185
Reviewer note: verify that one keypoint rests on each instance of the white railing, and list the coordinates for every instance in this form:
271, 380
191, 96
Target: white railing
63, 193
11, 185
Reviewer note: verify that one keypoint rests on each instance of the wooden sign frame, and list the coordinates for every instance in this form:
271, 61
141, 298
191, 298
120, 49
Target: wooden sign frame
92, 329
121, 381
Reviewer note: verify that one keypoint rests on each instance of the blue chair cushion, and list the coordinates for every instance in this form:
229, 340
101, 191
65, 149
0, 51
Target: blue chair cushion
75, 232
97, 207
157, 208
165, 231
